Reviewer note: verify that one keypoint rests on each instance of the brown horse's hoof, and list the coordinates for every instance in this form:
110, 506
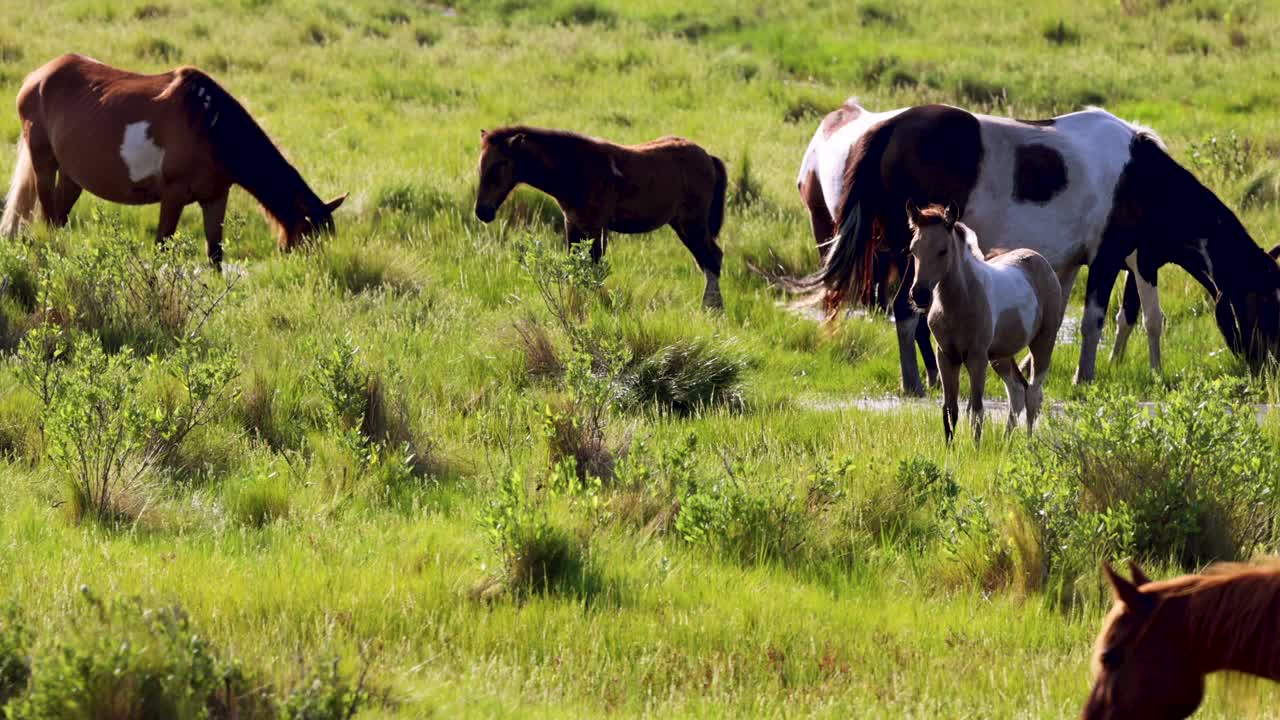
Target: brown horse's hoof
914, 390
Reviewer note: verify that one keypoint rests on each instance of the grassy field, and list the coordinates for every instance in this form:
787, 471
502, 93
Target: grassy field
388, 476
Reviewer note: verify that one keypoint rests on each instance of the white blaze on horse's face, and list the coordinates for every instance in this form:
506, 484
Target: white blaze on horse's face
141, 155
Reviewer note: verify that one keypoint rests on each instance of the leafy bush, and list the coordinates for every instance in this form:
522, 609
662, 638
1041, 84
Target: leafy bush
1192, 479
15, 660
126, 661
101, 435
258, 499
536, 556
327, 694
132, 292
1222, 159
686, 377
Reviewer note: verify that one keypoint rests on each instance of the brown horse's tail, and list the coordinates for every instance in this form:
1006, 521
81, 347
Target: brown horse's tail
716, 218
20, 203
849, 259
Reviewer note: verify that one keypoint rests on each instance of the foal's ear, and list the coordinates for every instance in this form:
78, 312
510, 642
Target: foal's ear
1139, 578
335, 203
951, 214
913, 212
1127, 592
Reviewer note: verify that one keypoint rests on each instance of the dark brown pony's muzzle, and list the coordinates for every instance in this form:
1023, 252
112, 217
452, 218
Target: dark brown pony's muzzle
486, 214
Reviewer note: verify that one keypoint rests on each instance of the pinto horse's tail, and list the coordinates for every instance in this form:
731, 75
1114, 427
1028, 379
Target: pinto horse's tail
20, 203
849, 259
715, 219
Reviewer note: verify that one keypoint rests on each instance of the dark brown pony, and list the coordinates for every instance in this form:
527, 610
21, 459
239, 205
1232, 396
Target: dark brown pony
603, 187
1161, 639
175, 138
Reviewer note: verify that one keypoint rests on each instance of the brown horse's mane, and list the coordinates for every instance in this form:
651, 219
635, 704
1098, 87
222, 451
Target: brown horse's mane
248, 153
1230, 606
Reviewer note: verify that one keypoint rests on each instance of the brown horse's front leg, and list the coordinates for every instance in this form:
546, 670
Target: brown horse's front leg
170, 214
215, 211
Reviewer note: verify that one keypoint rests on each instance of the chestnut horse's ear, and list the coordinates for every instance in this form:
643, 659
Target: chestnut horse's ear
1127, 592
335, 203
951, 214
1139, 578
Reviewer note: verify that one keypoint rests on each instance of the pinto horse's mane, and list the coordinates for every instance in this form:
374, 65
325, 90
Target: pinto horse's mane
248, 153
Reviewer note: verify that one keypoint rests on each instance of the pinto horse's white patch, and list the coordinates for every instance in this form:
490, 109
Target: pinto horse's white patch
141, 155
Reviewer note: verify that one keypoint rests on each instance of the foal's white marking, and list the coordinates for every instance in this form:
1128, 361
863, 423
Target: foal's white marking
140, 154
1006, 286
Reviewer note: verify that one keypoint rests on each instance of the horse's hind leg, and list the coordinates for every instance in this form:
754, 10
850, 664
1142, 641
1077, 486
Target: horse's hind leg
707, 254
1126, 316
1015, 386
45, 164
905, 320
924, 342
66, 192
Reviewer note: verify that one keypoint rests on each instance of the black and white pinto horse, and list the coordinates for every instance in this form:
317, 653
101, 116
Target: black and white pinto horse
1084, 189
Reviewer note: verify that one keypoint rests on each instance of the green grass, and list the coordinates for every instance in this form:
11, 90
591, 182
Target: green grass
261, 528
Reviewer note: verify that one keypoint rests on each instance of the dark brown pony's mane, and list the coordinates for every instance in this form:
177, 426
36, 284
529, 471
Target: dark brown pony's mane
1228, 605
248, 153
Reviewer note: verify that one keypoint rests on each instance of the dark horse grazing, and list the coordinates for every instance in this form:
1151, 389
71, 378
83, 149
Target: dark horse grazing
173, 138
1161, 639
603, 187
1080, 189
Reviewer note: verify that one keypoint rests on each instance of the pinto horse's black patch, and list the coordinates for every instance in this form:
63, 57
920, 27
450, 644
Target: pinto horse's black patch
1039, 173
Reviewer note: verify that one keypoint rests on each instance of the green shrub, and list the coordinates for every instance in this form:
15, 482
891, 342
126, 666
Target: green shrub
1192, 479
371, 265
328, 694
687, 377
535, 555
257, 499
101, 435
122, 660
15, 659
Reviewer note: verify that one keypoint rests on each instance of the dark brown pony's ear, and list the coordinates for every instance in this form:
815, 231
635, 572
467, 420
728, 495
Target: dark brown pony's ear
335, 203
1139, 578
1127, 592
1274, 252
483, 133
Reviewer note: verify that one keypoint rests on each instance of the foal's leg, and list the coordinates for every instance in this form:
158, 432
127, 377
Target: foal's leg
977, 366
707, 254
1067, 281
1015, 387
215, 211
1041, 358
950, 373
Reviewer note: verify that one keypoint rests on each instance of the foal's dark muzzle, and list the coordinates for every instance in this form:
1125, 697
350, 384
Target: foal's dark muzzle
921, 297
486, 214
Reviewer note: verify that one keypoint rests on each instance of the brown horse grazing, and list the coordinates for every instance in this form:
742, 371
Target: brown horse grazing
173, 138
603, 187
1161, 639
983, 311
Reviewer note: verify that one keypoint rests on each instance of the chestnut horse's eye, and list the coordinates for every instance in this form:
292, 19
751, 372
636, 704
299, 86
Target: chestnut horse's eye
1112, 659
